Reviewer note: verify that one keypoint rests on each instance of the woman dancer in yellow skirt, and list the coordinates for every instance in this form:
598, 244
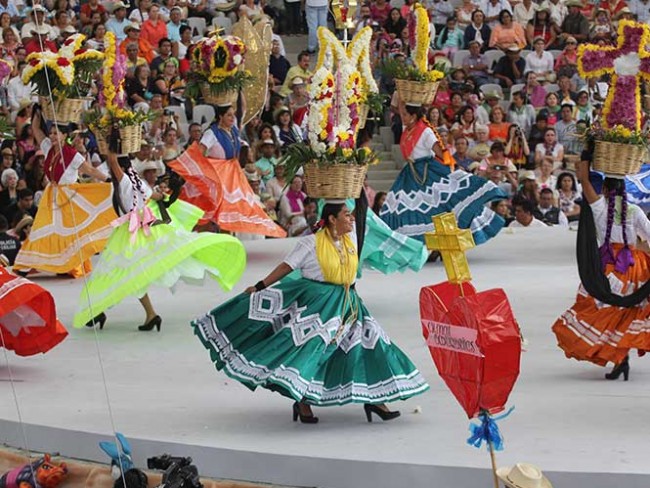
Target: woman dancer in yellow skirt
614, 315
73, 221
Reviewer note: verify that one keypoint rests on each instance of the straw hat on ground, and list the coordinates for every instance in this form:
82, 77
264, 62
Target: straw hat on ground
523, 475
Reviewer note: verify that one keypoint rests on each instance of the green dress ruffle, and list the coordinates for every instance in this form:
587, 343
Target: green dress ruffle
171, 253
301, 339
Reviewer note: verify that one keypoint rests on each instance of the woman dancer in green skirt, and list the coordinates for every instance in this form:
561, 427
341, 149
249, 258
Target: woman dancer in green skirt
312, 339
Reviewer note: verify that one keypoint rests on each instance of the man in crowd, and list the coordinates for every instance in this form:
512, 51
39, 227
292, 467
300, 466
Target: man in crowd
524, 214
547, 212
23, 204
118, 22
301, 70
509, 70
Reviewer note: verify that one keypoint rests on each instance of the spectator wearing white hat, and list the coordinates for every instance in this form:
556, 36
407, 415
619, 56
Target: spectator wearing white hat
39, 41
149, 171
118, 22
37, 19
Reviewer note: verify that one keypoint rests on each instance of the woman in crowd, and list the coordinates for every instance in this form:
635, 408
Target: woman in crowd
286, 131
169, 84
567, 62
549, 148
544, 174
415, 196
9, 44
498, 126
395, 24
82, 211
9, 193
507, 33
171, 149
501, 208
435, 117
569, 196
583, 109
277, 186
349, 361
6, 23
292, 202
521, 113
540, 62
138, 88
26, 142
97, 39
603, 325
533, 91
151, 252
455, 104
551, 109
465, 123
517, 149
215, 182
541, 26
478, 30
378, 202
464, 14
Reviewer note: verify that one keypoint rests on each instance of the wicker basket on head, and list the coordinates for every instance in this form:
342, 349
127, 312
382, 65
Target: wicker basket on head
334, 180
131, 136
102, 143
222, 98
613, 158
68, 110
570, 161
364, 110
417, 92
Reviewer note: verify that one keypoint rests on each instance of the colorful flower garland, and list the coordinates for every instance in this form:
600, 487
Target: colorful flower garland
59, 65
217, 58
420, 37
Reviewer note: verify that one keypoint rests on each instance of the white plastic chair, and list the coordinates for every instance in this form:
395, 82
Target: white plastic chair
203, 114
460, 56
492, 88
515, 88
198, 24
224, 23
180, 111
552, 88
491, 57
555, 52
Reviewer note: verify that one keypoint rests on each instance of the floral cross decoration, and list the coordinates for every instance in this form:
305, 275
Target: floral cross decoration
627, 63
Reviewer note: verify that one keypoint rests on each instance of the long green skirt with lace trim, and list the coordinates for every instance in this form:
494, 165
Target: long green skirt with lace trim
297, 338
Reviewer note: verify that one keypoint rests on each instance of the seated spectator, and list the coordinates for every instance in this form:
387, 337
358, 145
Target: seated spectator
36, 20
181, 49
481, 148
478, 30
551, 109
521, 113
505, 177
9, 245
507, 33
450, 39
39, 41
145, 50
24, 204
277, 186
195, 131
21, 226
96, 41
270, 206
138, 88
542, 26
435, 117
291, 202
540, 62
302, 224
118, 22
250, 9
88, 9
278, 65
544, 174
285, 129
517, 149
497, 159
498, 125
509, 70
464, 13
35, 178
301, 70
566, 129
476, 64
524, 214
378, 202
266, 160
533, 91
568, 196
502, 208
583, 109
298, 100
140, 14
566, 63
133, 60
483, 111
7, 161
461, 144
547, 212
9, 193
395, 23
169, 84
154, 29
528, 189
174, 23
456, 103
575, 24
601, 29
565, 92
537, 134
460, 82
465, 123
164, 55
550, 148
26, 142
171, 149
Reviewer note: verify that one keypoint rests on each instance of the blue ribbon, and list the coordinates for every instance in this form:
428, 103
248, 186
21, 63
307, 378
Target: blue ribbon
487, 431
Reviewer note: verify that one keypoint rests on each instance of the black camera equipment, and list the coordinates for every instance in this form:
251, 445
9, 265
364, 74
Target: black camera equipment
179, 472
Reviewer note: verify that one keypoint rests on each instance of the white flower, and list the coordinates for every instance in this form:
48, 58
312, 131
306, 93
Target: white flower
237, 59
627, 65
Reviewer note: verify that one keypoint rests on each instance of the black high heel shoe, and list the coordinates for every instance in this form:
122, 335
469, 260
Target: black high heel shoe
380, 412
304, 419
154, 322
622, 368
98, 320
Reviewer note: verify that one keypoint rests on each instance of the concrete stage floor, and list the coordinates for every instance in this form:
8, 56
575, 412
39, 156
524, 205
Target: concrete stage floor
166, 396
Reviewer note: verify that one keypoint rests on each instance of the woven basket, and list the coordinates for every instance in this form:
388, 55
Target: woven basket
417, 92
334, 180
131, 138
224, 98
363, 115
613, 158
570, 161
68, 110
102, 144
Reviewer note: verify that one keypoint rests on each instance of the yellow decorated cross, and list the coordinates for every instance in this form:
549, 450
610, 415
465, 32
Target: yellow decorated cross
627, 63
451, 242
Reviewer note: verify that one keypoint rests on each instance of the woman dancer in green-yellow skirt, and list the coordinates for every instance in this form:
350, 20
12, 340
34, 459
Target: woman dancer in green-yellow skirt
144, 250
312, 339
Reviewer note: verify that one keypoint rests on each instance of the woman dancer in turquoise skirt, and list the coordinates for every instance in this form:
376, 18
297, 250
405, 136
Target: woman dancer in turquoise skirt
312, 339
426, 186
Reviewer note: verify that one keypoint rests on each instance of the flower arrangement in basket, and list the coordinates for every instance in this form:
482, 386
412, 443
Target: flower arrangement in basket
64, 77
620, 147
113, 111
333, 167
415, 83
217, 70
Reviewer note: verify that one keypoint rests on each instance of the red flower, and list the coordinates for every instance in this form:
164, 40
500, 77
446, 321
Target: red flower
34, 62
330, 83
68, 41
80, 51
62, 62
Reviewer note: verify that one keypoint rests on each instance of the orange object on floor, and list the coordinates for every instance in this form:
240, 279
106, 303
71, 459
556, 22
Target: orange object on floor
72, 224
599, 333
220, 188
28, 323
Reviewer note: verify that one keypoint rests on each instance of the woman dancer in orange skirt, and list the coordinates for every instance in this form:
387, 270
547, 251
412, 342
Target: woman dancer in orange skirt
217, 184
611, 314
